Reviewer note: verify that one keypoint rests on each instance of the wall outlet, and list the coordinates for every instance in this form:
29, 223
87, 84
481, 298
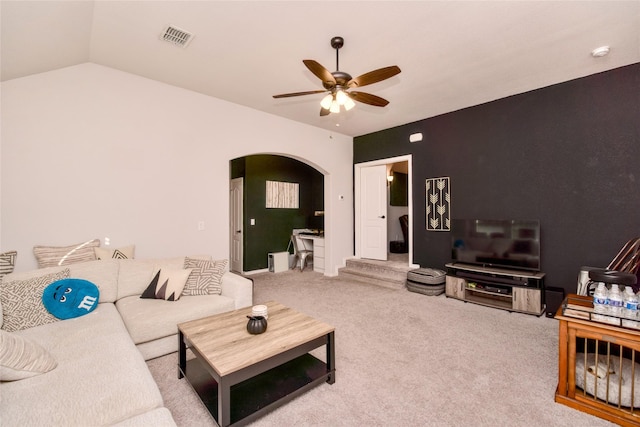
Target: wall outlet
200, 225
253, 221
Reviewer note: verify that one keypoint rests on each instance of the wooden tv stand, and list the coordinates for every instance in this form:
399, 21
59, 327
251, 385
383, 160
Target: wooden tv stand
511, 290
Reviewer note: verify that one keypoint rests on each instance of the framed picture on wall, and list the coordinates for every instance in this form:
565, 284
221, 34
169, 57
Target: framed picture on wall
283, 195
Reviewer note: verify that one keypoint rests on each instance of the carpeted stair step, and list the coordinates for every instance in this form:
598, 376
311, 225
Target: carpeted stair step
388, 275
379, 266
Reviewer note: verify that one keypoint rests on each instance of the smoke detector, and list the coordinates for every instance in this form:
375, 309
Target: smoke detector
601, 51
177, 36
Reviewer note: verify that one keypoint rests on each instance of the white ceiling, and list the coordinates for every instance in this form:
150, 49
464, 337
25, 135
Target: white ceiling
453, 54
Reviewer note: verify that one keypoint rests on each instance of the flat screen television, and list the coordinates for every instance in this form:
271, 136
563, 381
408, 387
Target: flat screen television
512, 244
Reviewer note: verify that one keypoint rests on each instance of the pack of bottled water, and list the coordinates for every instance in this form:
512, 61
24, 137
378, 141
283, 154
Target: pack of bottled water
612, 306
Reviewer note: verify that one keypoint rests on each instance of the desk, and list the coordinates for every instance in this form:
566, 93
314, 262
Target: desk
316, 244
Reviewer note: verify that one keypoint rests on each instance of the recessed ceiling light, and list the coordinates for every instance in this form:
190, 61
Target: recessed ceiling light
601, 51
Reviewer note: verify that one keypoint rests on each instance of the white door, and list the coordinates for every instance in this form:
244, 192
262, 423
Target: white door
235, 224
373, 233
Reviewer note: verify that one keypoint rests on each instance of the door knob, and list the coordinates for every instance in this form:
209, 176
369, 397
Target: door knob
382, 217
238, 231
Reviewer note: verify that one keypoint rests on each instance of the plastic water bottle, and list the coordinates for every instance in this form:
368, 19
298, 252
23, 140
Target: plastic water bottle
630, 303
615, 303
630, 310
600, 302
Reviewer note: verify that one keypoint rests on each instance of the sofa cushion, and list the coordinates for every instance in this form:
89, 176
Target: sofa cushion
21, 301
126, 252
205, 277
151, 319
7, 262
101, 378
136, 274
22, 358
167, 284
103, 273
50, 256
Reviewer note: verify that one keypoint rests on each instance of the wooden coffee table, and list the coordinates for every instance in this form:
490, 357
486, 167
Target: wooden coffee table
240, 376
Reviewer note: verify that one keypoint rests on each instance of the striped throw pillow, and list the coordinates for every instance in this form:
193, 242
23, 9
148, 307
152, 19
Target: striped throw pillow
21, 301
120, 253
22, 358
50, 256
7, 262
205, 277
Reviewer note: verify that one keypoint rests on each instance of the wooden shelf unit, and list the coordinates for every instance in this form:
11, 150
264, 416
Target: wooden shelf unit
510, 290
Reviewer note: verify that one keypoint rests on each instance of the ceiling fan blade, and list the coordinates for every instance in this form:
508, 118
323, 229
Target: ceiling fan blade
289, 95
374, 76
324, 111
367, 98
320, 72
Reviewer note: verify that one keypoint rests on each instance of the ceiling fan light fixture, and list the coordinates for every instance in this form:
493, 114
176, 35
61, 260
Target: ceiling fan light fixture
326, 102
337, 83
341, 97
349, 104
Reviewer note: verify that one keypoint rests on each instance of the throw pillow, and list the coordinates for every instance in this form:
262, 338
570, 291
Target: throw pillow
22, 358
21, 301
205, 277
7, 262
49, 256
121, 253
167, 284
69, 298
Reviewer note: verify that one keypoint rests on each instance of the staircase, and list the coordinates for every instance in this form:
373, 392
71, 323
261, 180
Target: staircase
389, 274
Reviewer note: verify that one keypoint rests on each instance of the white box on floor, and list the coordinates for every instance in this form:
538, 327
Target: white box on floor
278, 261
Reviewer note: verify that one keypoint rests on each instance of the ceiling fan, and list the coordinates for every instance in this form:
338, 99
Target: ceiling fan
338, 84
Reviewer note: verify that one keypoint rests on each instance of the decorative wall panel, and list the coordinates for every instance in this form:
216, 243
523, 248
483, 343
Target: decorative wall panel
438, 204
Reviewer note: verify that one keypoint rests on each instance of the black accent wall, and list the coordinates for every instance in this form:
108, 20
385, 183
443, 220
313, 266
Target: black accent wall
273, 227
567, 155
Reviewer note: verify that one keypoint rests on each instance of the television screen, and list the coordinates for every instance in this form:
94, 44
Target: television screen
496, 243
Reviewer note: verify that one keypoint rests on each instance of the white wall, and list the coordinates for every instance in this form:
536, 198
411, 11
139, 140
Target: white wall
92, 152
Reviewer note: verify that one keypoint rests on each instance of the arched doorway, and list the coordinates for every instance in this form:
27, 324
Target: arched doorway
259, 228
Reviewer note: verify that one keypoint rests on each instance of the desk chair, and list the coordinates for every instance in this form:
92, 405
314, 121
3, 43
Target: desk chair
626, 262
300, 254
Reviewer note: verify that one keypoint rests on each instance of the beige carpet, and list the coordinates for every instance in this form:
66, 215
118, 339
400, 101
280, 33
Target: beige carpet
407, 359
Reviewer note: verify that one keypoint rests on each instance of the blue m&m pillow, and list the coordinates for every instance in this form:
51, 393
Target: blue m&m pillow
69, 298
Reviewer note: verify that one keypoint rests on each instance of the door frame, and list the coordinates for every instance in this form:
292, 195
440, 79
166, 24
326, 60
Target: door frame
236, 182
357, 169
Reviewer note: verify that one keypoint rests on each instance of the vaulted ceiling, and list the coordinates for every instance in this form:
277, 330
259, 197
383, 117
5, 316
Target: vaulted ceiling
453, 54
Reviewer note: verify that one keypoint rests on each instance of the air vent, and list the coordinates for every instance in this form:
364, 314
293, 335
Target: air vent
177, 36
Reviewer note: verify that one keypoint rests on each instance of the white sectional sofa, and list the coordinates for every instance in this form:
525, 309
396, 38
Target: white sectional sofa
101, 377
